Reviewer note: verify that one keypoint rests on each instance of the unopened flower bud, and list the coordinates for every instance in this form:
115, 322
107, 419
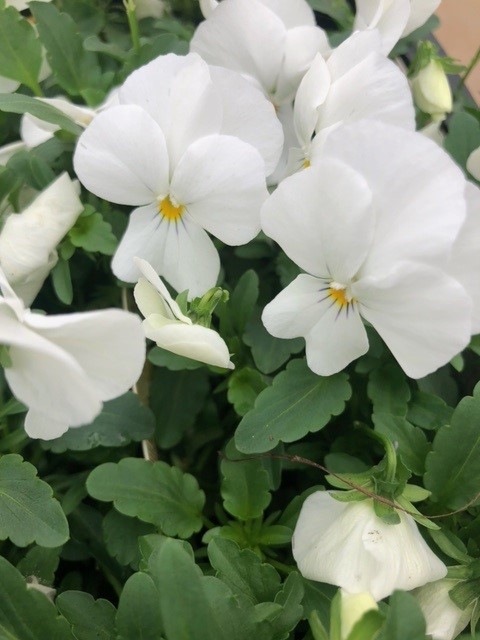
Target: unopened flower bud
431, 90
352, 609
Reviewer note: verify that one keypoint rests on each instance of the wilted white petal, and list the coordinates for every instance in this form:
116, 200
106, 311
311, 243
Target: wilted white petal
444, 619
346, 544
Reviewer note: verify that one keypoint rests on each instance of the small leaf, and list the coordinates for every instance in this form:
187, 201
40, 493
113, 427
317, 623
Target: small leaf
92, 233
410, 441
388, 390
298, 402
121, 421
28, 511
88, 618
138, 616
121, 535
404, 618
62, 281
269, 353
155, 493
243, 299
41, 563
244, 385
428, 411
18, 103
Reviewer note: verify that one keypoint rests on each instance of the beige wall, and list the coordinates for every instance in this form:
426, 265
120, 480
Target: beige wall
459, 35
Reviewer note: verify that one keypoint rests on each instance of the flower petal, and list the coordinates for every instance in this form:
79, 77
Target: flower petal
311, 93
420, 204
122, 157
422, 314
221, 182
322, 219
168, 304
108, 345
293, 13
248, 115
43, 426
390, 18
420, 12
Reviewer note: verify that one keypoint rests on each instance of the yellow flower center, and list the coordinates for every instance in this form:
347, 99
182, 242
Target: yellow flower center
168, 210
339, 295
306, 164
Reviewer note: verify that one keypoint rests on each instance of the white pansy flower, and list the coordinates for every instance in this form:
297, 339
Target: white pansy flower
465, 259
431, 90
189, 146
149, 8
445, 621
34, 131
353, 606
271, 42
64, 367
28, 239
347, 544
373, 231
393, 18
473, 164
171, 329
355, 82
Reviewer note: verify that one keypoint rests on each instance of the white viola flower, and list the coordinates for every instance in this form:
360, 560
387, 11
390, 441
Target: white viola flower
64, 367
357, 81
473, 164
271, 42
28, 239
149, 8
373, 230
348, 545
393, 18
34, 131
353, 606
190, 146
445, 621
171, 329
465, 258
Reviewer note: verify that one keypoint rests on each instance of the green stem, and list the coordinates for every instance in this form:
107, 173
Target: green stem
389, 451
283, 568
133, 23
470, 68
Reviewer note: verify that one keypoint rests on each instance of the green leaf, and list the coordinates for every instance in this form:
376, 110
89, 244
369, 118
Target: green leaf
411, 442
245, 487
21, 52
453, 465
388, 390
243, 571
269, 353
155, 493
74, 68
62, 281
176, 399
404, 618
463, 137
162, 358
465, 593
451, 545
41, 563
92, 233
90, 619
28, 512
428, 411
121, 535
244, 385
290, 598
316, 627
18, 103
138, 615
243, 299
338, 10
26, 614
367, 626
121, 421
297, 403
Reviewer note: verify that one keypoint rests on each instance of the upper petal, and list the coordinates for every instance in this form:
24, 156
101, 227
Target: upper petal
390, 18
311, 93
420, 12
422, 314
293, 13
163, 302
221, 182
122, 156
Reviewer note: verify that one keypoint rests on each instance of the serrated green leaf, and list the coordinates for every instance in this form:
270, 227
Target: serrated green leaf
244, 385
245, 487
92, 233
18, 103
453, 465
290, 599
428, 411
155, 493
298, 402
21, 52
388, 390
121, 535
28, 511
89, 618
27, 614
243, 571
269, 353
410, 441
120, 422
40, 563
138, 616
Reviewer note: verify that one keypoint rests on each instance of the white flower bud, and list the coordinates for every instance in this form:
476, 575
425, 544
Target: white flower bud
352, 609
444, 619
431, 90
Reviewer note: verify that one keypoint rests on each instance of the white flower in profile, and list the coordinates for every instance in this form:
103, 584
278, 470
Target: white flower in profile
444, 619
348, 545
190, 146
357, 81
28, 239
171, 329
34, 131
271, 42
373, 229
64, 367
473, 164
393, 18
